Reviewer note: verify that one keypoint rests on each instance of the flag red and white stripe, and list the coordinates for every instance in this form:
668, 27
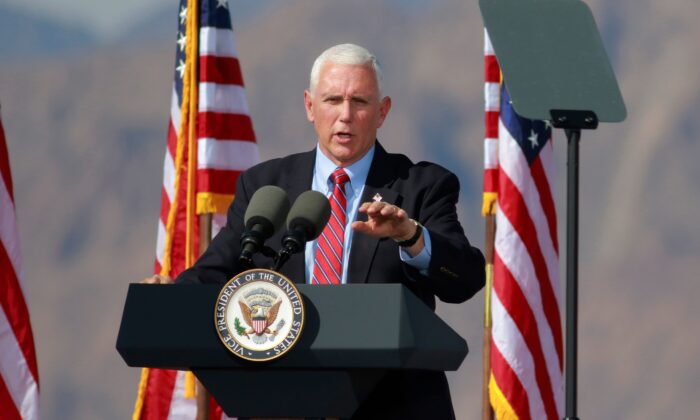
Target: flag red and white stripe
19, 375
224, 147
527, 345
492, 85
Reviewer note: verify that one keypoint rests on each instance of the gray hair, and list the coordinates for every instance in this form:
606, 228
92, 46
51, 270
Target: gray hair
345, 54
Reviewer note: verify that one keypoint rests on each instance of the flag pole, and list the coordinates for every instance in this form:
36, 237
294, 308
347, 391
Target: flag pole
205, 222
486, 409
202, 395
492, 81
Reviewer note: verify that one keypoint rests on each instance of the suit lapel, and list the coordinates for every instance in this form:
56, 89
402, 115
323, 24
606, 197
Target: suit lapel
362, 251
298, 176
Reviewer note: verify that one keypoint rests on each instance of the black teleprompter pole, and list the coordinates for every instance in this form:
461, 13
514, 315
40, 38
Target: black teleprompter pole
572, 122
574, 137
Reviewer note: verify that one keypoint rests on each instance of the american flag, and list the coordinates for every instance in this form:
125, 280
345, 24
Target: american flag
527, 345
19, 376
210, 142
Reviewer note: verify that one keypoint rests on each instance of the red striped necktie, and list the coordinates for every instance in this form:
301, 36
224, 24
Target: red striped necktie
328, 261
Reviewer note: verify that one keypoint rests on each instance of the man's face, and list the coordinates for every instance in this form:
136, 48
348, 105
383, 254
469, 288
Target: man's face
346, 111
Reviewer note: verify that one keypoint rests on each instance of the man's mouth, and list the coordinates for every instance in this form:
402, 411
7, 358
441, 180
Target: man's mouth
342, 135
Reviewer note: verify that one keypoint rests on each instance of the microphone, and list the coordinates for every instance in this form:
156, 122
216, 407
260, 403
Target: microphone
263, 217
306, 219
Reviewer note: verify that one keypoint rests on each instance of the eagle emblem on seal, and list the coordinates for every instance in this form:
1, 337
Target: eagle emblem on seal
259, 309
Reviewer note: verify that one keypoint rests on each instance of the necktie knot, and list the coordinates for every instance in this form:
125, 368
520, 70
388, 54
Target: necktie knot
339, 177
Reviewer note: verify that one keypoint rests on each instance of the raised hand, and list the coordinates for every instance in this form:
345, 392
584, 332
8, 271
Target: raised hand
386, 220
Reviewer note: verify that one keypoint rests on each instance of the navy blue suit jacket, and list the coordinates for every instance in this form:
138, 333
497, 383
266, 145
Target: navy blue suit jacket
429, 194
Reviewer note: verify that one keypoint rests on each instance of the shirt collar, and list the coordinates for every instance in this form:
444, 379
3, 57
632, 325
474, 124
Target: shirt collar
357, 172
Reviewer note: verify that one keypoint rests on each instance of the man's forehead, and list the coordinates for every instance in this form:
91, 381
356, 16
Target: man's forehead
360, 77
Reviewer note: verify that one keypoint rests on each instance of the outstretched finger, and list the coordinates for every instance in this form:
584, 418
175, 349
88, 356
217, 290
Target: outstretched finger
364, 206
376, 208
388, 210
362, 227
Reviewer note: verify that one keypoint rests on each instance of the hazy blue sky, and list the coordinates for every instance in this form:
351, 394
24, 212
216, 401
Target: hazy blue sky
102, 17
108, 18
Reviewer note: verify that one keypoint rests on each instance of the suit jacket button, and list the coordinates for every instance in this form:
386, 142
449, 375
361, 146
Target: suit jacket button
448, 272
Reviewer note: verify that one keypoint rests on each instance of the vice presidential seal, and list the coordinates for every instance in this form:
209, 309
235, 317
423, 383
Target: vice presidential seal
259, 315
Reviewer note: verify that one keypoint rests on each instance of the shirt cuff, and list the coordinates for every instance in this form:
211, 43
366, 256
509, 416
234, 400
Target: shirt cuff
421, 262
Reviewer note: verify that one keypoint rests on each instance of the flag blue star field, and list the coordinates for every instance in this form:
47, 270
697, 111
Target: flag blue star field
531, 135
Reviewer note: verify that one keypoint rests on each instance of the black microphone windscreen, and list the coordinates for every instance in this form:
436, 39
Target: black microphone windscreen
268, 207
310, 211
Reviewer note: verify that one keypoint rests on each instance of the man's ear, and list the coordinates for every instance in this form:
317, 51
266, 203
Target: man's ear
308, 104
384, 108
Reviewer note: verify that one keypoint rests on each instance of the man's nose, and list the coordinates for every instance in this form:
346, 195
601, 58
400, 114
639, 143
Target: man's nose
346, 111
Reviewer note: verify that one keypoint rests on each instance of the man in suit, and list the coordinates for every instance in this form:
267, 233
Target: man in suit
400, 218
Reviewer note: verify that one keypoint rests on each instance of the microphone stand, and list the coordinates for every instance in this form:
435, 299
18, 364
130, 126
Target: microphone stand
247, 260
292, 243
281, 258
